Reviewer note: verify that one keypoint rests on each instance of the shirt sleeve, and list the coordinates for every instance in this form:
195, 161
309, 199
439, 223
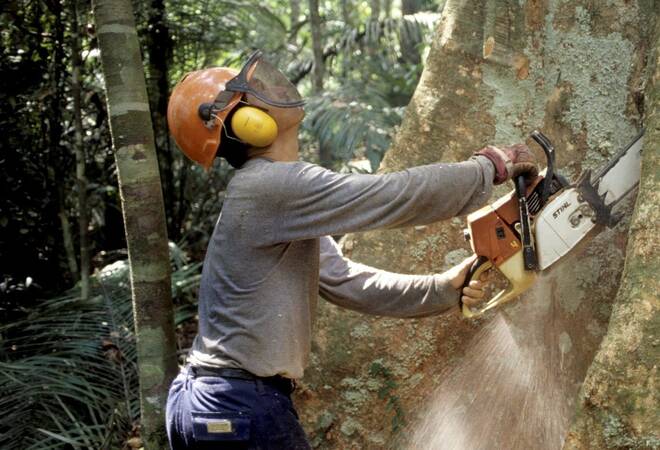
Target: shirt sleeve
312, 201
372, 291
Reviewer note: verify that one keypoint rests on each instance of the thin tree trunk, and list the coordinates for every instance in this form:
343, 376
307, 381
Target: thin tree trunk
159, 48
325, 154
317, 46
410, 6
410, 46
346, 12
67, 239
375, 9
54, 120
294, 18
54, 136
81, 180
142, 202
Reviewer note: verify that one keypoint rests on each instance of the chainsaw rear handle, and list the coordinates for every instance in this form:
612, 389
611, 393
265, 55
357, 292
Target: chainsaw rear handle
479, 266
519, 280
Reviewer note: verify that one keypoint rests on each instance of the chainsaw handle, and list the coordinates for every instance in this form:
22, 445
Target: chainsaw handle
479, 266
513, 269
474, 268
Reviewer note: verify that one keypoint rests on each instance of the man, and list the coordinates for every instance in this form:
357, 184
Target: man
271, 255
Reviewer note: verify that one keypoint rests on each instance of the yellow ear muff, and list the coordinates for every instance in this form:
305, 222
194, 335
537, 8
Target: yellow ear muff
254, 126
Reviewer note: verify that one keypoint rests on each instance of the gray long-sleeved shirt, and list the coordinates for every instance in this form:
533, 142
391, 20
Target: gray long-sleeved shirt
270, 255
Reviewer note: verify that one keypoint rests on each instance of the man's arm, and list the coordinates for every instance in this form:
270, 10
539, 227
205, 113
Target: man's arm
372, 291
309, 201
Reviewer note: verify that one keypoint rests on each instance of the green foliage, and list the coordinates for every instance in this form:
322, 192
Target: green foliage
352, 125
37, 167
68, 369
373, 71
211, 32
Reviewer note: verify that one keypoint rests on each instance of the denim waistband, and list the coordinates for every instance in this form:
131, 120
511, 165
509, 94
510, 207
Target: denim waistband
287, 385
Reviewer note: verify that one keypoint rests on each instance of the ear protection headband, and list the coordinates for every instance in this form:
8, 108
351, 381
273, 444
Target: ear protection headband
254, 126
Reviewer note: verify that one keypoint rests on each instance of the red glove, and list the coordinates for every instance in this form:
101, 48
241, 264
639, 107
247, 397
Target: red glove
511, 161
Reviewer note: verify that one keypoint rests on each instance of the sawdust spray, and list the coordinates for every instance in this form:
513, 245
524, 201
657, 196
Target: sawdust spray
515, 387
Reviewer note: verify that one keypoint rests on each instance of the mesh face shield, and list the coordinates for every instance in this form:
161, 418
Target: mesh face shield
263, 80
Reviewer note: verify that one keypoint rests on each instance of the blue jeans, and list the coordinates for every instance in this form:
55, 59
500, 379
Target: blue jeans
229, 413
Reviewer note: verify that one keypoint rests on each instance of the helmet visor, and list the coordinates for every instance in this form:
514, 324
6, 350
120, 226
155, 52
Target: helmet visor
263, 80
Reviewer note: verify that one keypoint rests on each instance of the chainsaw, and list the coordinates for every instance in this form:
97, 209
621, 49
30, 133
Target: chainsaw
532, 227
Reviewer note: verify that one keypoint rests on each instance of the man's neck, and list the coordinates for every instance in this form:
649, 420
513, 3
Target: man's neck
284, 148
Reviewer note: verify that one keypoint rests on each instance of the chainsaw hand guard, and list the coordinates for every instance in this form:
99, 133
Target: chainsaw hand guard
513, 270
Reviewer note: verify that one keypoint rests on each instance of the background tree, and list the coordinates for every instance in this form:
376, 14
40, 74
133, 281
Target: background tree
142, 203
81, 157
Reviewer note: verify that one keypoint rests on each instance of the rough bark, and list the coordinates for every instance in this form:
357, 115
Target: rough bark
142, 204
618, 404
496, 71
81, 180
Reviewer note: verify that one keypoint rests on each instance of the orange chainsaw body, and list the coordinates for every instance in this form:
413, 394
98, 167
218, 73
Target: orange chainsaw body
492, 232
497, 244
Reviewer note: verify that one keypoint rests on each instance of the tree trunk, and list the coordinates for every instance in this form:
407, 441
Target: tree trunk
325, 155
81, 180
496, 71
67, 239
410, 47
410, 6
346, 6
387, 6
142, 203
375, 9
317, 46
54, 121
294, 18
159, 50
619, 399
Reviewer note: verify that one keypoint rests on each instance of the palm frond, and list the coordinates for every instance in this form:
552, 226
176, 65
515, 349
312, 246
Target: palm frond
352, 123
68, 370
393, 38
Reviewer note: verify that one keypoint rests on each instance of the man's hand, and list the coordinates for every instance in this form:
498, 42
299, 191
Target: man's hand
511, 161
474, 293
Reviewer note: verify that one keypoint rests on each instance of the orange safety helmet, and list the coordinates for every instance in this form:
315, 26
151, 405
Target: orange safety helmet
197, 139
